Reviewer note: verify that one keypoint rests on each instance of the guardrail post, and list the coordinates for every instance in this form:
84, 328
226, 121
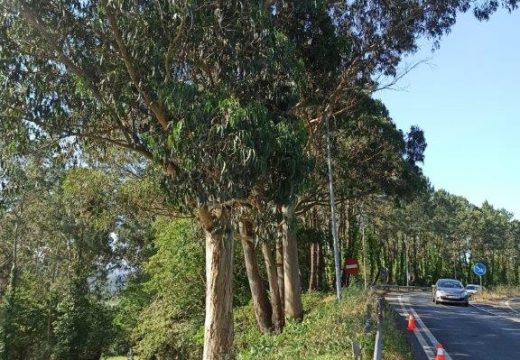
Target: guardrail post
356, 350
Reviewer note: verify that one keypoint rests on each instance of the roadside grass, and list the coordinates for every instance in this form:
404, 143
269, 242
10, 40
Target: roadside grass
395, 345
497, 293
326, 333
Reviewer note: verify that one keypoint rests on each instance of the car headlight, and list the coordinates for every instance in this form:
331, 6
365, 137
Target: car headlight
441, 293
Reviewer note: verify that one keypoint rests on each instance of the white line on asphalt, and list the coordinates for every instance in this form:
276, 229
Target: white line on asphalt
484, 310
427, 331
508, 304
495, 314
432, 338
426, 348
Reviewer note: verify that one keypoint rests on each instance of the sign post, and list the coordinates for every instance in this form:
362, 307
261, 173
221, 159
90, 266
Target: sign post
480, 270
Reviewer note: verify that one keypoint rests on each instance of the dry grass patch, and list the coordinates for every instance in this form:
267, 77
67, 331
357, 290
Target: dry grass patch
497, 294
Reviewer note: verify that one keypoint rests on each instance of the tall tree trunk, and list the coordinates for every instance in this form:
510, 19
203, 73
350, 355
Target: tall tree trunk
492, 270
292, 291
313, 273
272, 276
415, 260
321, 268
348, 252
218, 325
10, 299
279, 268
261, 304
343, 226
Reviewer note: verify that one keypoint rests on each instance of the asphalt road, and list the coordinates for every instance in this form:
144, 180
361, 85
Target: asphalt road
477, 332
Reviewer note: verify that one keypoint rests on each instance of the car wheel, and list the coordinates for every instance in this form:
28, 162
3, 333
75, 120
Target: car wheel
466, 304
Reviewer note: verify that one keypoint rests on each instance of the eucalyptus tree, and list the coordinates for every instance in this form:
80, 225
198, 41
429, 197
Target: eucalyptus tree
203, 88
183, 84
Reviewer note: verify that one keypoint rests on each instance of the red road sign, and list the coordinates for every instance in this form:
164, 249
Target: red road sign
351, 266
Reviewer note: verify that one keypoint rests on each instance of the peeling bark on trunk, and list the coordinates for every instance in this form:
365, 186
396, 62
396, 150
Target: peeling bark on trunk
261, 304
292, 291
218, 325
276, 300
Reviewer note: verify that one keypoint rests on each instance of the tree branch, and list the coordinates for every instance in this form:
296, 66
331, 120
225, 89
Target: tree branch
154, 107
50, 39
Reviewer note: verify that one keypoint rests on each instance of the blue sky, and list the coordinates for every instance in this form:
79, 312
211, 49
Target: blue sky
467, 101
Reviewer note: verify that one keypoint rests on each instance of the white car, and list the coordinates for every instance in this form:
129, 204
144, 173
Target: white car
473, 289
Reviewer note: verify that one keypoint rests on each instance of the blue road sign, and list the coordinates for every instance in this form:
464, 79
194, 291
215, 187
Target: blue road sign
479, 269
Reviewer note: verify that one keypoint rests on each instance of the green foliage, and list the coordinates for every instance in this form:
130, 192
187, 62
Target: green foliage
439, 234
87, 190
82, 328
22, 325
228, 98
69, 324
396, 345
326, 332
162, 311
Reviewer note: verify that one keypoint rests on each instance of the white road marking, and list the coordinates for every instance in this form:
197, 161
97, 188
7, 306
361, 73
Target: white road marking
508, 304
428, 333
426, 348
432, 338
496, 314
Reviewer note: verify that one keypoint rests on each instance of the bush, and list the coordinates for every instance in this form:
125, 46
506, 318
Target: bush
83, 325
326, 332
23, 334
162, 310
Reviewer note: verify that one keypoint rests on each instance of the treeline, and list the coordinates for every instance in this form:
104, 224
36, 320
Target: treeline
436, 235
120, 116
92, 263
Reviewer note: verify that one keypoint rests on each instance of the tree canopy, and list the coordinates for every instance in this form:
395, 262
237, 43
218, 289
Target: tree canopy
118, 114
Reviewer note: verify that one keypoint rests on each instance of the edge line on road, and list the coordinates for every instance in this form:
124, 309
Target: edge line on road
427, 331
513, 318
508, 304
484, 310
425, 346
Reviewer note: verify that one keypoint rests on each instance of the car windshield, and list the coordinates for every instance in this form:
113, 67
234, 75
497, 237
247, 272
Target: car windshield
471, 287
450, 284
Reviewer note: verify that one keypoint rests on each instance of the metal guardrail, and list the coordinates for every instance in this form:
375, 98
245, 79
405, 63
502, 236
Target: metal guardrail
399, 288
378, 348
378, 345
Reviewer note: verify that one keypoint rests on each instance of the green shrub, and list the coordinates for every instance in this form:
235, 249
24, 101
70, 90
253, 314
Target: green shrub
326, 332
22, 331
161, 311
82, 329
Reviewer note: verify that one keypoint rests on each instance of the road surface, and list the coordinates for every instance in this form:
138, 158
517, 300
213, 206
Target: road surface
477, 332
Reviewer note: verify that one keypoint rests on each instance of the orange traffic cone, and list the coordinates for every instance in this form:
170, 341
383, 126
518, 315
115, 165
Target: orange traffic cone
441, 355
411, 323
